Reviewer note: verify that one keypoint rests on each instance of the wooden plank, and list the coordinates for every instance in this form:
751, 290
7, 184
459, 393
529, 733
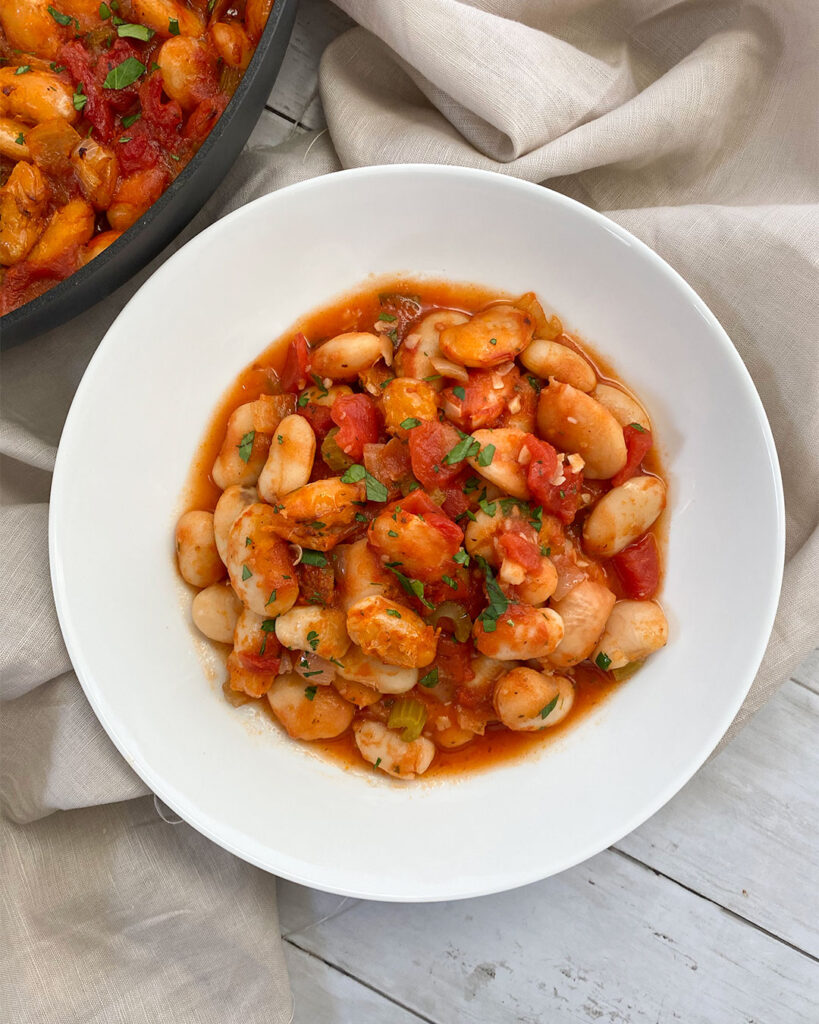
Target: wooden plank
323, 995
743, 831
295, 93
808, 672
607, 940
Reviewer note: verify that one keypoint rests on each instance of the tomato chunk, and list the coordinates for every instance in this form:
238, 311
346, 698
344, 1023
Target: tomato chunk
454, 660
296, 370
638, 444
479, 402
638, 567
357, 419
388, 462
429, 444
521, 548
558, 499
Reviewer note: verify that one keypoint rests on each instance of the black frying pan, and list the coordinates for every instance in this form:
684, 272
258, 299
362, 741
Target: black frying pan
175, 207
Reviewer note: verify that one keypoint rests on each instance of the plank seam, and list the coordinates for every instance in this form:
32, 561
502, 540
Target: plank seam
716, 903
364, 984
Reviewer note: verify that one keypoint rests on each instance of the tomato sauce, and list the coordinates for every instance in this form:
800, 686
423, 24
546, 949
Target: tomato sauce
357, 312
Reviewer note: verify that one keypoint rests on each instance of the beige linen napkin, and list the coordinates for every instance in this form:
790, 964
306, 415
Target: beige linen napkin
692, 124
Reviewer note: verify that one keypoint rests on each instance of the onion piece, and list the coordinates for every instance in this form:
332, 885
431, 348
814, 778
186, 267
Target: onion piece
449, 369
315, 670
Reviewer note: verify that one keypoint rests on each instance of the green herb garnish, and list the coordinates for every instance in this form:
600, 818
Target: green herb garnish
430, 679
246, 573
245, 446
486, 456
309, 557
603, 661
124, 74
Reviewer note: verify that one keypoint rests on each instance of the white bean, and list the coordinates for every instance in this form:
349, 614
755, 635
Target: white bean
385, 749
490, 337
623, 407
527, 701
359, 667
215, 611
574, 422
346, 355
392, 632
309, 712
623, 515
505, 470
634, 630
321, 631
422, 345
584, 611
551, 359
229, 507
361, 574
196, 550
290, 459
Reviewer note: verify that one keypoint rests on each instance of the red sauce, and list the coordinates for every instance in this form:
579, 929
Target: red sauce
357, 311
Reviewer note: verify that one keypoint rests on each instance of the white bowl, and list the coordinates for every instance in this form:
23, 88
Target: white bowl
140, 413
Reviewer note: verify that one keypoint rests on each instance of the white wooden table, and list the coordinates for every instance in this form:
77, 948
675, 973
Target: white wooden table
707, 914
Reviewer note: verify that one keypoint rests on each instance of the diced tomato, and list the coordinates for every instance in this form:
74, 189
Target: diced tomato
25, 281
428, 445
164, 116
454, 660
561, 500
467, 590
137, 154
520, 548
388, 462
358, 422
77, 59
267, 665
419, 503
204, 117
455, 501
479, 402
296, 370
638, 444
316, 583
638, 567
319, 418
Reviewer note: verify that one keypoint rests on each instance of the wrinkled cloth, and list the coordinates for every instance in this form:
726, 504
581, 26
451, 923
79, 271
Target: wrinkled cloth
692, 124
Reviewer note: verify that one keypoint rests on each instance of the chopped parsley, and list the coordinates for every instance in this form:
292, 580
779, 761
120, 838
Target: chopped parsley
377, 762
461, 557
20, 140
279, 438
124, 74
394, 612
105, 12
430, 679
450, 582
245, 446
493, 341
414, 587
486, 456
270, 599
534, 382
361, 518
57, 68
472, 484
489, 507
23, 69
309, 557
130, 119
310, 692
546, 711
313, 639
78, 98
269, 626
376, 491
246, 573
387, 317
433, 376
498, 602
173, 27
410, 422
248, 542
545, 550
636, 426
602, 661
459, 392
466, 448
61, 19
303, 399
392, 533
